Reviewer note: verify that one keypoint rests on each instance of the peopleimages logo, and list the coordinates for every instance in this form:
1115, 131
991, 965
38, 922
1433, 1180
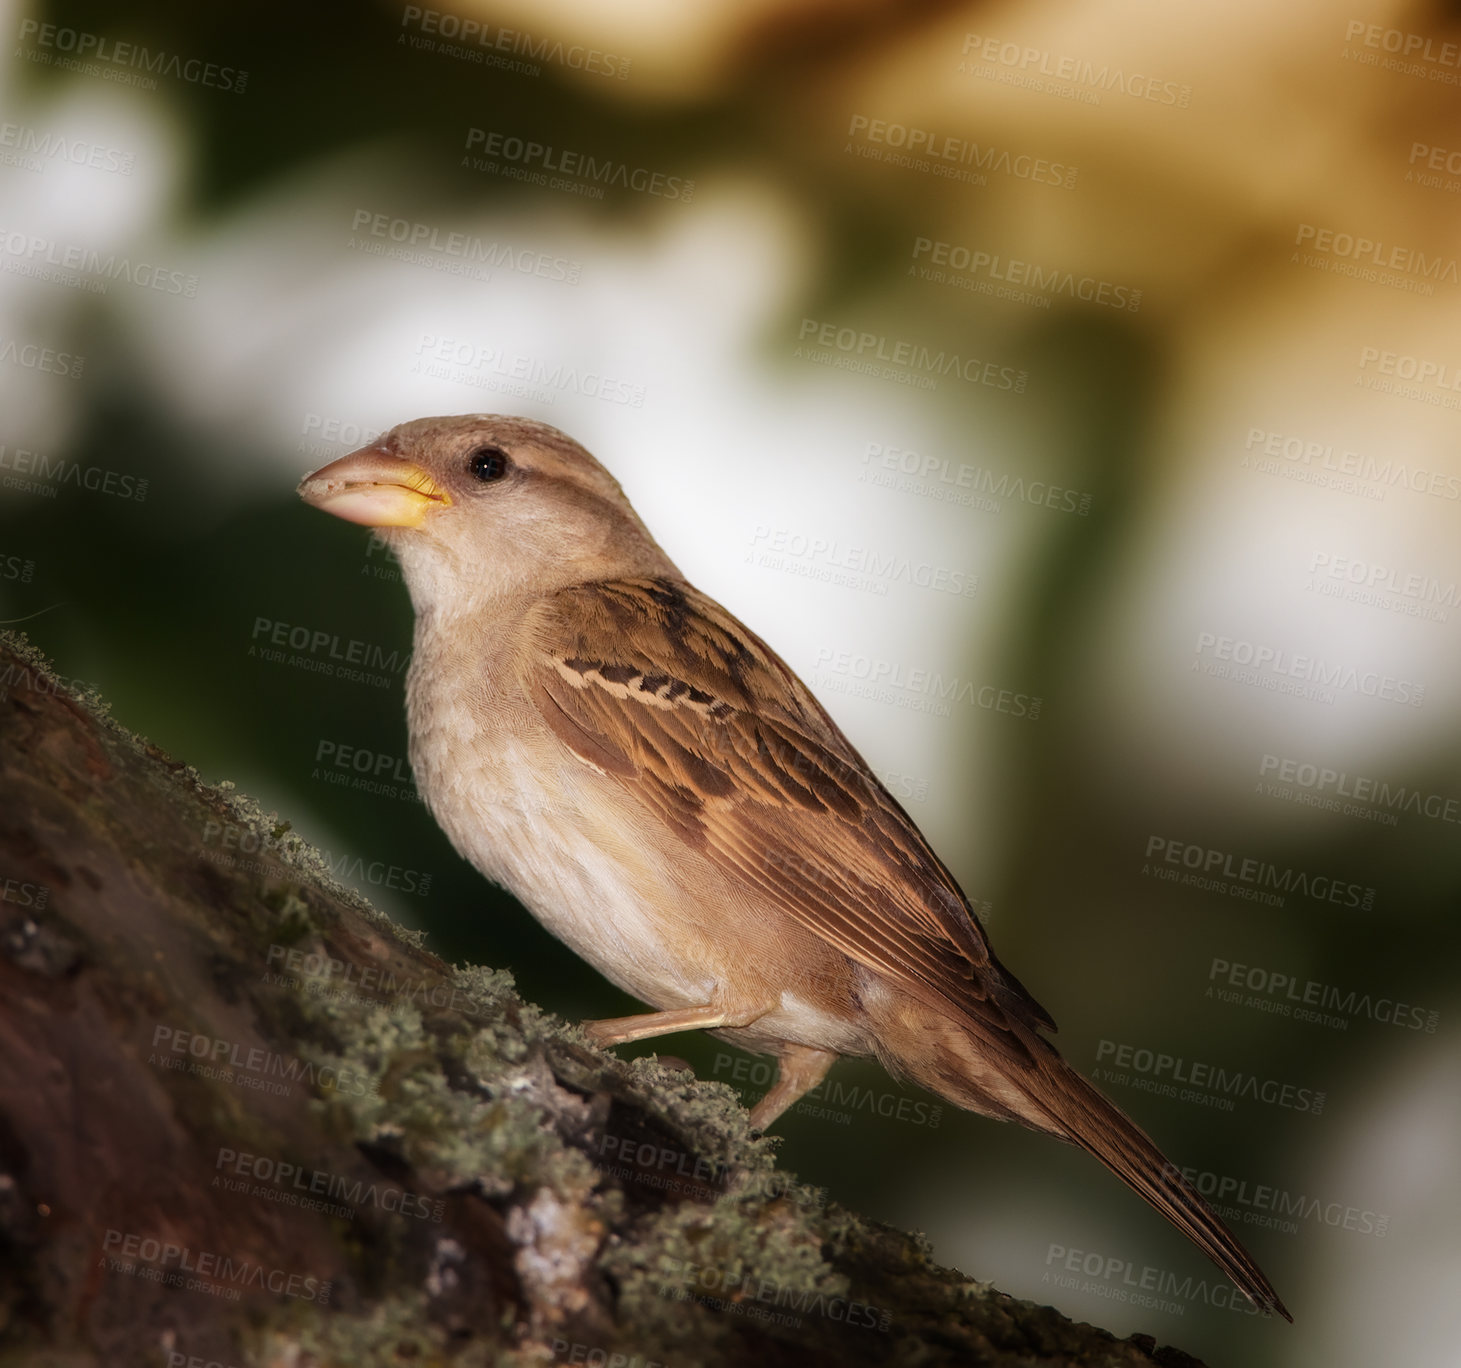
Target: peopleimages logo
1274, 1208
863, 567
1284, 671
913, 363
1372, 585
253, 1066
926, 150
1222, 871
1320, 779
743, 1292
483, 42
1384, 471
1066, 74
36, 146
973, 268
1371, 257
469, 248
592, 172
72, 263
211, 1270
1285, 994
922, 690
33, 470
940, 478
1156, 1071
260, 1176
1154, 1289
76, 49
1422, 47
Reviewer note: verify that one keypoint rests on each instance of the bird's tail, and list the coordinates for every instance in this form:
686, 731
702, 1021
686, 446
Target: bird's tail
1088, 1118
1048, 1094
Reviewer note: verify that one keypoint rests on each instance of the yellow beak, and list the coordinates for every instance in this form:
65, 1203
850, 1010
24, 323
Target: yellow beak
375, 489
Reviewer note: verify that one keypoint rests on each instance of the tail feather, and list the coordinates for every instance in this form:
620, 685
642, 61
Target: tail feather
1081, 1113
1026, 1080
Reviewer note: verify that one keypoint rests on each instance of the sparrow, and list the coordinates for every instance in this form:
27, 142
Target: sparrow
655, 784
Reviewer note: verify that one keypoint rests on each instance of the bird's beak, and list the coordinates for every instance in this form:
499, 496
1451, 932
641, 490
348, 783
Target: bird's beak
374, 488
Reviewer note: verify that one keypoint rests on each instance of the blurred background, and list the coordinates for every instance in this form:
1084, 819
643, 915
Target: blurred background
1069, 393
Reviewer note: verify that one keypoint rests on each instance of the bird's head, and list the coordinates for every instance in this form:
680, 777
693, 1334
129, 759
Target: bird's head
482, 506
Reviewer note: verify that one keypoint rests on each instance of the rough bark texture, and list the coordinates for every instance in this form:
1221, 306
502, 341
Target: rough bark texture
246, 1119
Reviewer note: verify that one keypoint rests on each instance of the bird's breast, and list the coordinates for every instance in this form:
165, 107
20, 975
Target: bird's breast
555, 834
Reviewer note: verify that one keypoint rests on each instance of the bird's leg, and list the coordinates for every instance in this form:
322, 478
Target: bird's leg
801, 1068
621, 1030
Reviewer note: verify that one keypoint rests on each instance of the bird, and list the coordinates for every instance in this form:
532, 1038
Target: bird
658, 787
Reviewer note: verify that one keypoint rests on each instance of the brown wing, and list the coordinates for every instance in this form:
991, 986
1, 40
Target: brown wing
745, 766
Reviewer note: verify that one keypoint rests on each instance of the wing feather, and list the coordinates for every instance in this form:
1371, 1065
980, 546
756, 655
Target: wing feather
655, 684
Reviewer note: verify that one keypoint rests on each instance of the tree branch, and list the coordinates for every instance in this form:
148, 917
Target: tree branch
247, 1119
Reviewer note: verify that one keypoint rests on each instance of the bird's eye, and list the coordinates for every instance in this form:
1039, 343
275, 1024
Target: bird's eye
488, 463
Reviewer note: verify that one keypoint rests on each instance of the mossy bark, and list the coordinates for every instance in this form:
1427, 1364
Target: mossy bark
247, 1120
